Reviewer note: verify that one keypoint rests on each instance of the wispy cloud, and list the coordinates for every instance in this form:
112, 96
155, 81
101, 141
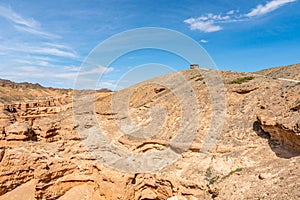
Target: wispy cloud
52, 51
268, 7
95, 70
45, 50
39, 59
204, 41
231, 12
29, 69
202, 24
21, 23
15, 18
212, 23
33, 62
42, 58
60, 46
67, 73
111, 84
35, 31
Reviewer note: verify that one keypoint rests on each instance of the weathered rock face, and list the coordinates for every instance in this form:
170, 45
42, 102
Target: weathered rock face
285, 134
19, 131
46, 129
282, 119
43, 152
30, 111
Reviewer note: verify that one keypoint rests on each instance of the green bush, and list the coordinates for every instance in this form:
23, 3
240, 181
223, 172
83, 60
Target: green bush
241, 80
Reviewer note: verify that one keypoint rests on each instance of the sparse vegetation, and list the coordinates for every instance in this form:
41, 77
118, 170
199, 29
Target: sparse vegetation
241, 80
208, 172
232, 172
213, 179
217, 175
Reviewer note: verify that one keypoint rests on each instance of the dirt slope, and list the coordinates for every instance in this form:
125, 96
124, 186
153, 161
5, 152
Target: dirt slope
287, 72
257, 154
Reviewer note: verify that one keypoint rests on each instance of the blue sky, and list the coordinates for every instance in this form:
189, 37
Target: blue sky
47, 41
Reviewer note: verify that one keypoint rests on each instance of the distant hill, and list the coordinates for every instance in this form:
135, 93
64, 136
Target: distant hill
288, 72
18, 92
12, 92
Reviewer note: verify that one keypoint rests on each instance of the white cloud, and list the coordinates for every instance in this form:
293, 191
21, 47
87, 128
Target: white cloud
35, 31
24, 72
10, 15
268, 7
231, 12
22, 24
53, 51
33, 62
110, 84
203, 41
45, 50
71, 68
29, 69
60, 46
67, 73
36, 59
212, 23
42, 58
97, 70
203, 24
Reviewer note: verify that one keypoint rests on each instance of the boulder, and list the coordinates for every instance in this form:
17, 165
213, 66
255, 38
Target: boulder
20, 130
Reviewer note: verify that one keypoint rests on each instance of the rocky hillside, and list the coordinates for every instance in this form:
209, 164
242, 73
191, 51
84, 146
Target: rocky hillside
164, 124
12, 92
285, 72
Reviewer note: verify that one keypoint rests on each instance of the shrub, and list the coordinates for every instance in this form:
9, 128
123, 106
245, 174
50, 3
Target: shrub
241, 80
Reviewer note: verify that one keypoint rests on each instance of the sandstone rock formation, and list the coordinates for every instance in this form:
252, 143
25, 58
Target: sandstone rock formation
44, 148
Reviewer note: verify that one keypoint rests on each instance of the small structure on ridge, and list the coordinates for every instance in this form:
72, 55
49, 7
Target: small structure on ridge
194, 66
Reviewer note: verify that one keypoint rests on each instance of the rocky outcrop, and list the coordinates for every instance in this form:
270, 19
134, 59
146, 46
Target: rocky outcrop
286, 134
21, 131
46, 129
280, 117
17, 121
42, 150
244, 90
30, 111
147, 186
35, 106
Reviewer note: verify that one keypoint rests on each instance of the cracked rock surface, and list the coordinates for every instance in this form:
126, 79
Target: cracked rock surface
61, 147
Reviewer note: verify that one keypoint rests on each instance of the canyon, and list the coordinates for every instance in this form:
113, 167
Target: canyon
50, 147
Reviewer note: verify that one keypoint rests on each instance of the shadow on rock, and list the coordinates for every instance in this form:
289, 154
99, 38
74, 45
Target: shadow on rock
280, 150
